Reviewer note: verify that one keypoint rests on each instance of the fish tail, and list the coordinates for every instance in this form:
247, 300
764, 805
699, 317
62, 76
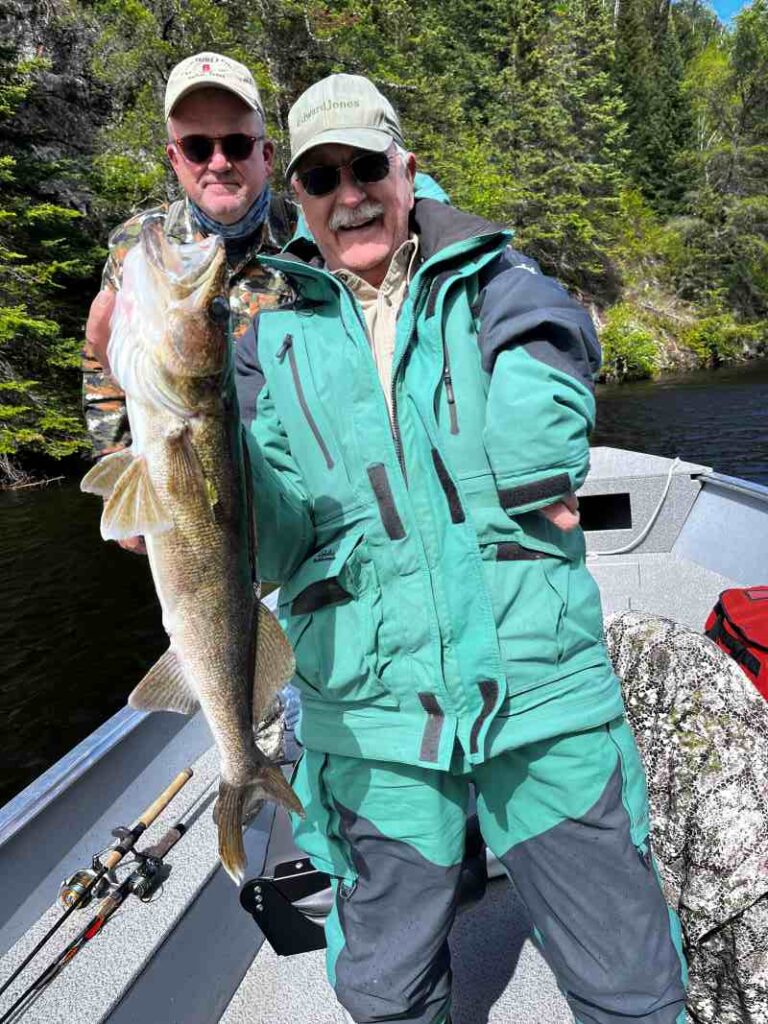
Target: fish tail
228, 814
239, 803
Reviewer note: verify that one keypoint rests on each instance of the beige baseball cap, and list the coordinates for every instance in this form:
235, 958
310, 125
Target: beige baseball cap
211, 70
347, 109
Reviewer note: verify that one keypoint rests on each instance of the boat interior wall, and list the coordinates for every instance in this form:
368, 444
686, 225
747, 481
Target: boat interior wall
666, 537
67, 830
727, 530
623, 493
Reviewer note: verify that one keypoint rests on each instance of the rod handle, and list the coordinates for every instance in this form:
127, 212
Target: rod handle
168, 841
113, 858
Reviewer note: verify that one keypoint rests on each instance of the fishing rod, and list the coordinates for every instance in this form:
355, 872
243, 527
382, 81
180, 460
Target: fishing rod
142, 882
78, 890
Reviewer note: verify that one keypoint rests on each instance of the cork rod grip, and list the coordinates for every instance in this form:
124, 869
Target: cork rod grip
152, 812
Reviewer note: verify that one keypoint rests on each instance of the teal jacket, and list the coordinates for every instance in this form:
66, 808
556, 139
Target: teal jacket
426, 598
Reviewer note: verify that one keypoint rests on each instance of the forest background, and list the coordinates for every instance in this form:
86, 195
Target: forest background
625, 142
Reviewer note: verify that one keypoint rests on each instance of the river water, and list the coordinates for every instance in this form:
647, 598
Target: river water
79, 622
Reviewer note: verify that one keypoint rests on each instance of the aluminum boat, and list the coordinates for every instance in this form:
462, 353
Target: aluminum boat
664, 536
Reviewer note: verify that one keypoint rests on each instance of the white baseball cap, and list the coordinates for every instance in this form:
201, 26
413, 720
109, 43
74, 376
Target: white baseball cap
211, 71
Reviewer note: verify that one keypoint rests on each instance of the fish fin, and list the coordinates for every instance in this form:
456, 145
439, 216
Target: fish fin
165, 688
101, 478
134, 508
237, 803
185, 471
275, 664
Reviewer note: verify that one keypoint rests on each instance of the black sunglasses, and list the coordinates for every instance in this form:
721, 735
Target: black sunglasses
199, 149
366, 169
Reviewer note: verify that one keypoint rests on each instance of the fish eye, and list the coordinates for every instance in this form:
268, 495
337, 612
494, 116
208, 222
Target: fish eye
219, 310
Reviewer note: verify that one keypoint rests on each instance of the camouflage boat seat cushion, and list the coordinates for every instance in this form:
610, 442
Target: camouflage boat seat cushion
702, 729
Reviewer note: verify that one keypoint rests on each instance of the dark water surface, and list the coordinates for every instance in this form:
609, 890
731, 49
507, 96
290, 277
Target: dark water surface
79, 625
79, 622
718, 418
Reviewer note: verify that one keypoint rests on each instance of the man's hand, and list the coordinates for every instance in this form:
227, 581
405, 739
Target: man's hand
134, 544
564, 513
97, 325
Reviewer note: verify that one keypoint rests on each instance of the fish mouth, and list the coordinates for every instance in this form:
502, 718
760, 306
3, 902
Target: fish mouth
193, 270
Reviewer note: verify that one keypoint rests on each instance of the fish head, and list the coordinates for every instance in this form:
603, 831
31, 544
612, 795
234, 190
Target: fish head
194, 349
169, 344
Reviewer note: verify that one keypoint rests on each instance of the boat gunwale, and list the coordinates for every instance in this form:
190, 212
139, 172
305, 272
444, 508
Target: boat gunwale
735, 484
32, 800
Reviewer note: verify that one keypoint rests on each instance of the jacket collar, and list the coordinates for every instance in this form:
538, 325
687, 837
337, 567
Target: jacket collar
439, 226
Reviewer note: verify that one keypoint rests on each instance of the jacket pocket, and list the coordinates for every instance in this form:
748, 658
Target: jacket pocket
528, 612
331, 609
581, 626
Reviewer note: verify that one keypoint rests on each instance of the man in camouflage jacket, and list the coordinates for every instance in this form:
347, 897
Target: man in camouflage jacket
212, 98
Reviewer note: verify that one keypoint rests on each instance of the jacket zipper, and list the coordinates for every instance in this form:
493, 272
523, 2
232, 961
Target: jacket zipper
449, 392
392, 394
287, 347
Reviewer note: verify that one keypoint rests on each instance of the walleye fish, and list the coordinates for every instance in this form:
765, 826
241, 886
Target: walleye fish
185, 486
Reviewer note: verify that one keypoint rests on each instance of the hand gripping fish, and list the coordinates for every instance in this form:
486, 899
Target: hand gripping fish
185, 486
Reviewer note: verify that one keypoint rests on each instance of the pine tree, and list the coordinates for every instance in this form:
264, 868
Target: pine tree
560, 140
650, 71
43, 254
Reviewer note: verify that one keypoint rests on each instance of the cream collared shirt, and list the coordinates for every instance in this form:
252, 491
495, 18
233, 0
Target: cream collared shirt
380, 307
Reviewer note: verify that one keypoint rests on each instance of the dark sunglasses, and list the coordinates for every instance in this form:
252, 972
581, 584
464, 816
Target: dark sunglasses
199, 149
366, 169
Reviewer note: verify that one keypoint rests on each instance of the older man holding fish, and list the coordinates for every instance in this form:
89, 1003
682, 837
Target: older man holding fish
418, 420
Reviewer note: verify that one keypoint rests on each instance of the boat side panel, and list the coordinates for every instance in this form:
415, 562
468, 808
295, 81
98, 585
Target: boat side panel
727, 531
660, 501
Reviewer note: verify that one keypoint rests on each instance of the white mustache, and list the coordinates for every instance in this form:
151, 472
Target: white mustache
348, 217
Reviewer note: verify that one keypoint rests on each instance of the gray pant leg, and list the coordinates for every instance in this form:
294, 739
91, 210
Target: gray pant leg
395, 962
600, 916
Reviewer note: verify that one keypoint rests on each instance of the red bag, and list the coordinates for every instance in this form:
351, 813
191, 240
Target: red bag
739, 626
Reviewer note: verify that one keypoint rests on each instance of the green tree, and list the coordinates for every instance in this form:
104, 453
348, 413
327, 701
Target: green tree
43, 255
650, 71
559, 139
724, 261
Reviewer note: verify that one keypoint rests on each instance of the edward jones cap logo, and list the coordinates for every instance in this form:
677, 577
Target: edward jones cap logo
324, 108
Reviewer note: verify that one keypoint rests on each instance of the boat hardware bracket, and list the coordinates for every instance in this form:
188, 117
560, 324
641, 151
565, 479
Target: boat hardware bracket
271, 900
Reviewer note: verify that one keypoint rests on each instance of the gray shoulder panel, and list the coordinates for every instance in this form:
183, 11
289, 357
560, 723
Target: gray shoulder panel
520, 306
249, 376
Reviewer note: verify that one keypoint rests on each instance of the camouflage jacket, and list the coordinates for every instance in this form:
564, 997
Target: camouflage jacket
702, 730
251, 287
